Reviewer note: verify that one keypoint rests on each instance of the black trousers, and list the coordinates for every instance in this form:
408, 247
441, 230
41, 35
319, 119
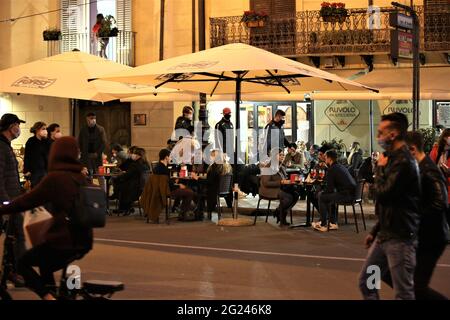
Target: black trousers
426, 260
14, 244
48, 260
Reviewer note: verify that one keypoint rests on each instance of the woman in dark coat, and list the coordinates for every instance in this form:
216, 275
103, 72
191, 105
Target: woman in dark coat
64, 242
218, 168
131, 183
36, 154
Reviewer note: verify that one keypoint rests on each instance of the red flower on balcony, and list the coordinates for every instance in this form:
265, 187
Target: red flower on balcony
333, 11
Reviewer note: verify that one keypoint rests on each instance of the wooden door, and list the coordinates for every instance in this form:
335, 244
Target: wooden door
114, 116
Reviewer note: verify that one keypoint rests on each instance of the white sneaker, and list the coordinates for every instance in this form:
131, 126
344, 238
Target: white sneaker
320, 228
314, 224
333, 226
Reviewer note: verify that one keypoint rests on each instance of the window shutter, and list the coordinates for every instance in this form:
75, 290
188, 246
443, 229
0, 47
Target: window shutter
123, 15
74, 24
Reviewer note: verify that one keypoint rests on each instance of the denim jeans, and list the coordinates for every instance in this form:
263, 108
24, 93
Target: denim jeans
327, 200
397, 260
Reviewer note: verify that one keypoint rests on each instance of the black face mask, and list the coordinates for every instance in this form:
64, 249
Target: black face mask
281, 122
227, 116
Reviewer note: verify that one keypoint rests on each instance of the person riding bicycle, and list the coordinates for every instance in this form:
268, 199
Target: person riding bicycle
64, 241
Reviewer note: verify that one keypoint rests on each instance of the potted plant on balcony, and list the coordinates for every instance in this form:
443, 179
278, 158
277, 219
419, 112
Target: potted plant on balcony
108, 28
254, 19
51, 34
333, 12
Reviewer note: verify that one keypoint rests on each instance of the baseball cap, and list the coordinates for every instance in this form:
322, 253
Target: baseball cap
9, 119
226, 111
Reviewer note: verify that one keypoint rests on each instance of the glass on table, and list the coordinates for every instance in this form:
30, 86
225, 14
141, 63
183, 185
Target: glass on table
321, 174
313, 173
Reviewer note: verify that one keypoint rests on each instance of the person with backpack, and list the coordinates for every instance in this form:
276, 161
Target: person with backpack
66, 239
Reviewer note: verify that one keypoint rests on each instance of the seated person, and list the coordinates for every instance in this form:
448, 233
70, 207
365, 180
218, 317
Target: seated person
128, 161
340, 186
313, 157
355, 159
275, 183
179, 193
118, 154
294, 158
130, 183
187, 150
218, 167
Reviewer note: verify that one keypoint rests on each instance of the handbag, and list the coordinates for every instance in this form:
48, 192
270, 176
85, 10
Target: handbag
36, 224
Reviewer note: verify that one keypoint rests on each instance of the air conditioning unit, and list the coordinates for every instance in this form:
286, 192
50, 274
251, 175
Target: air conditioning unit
328, 62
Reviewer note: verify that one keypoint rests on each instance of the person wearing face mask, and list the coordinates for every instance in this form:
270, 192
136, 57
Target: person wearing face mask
130, 183
92, 140
36, 154
53, 133
183, 124
14, 246
393, 240
440, 154
274, 133
224, 134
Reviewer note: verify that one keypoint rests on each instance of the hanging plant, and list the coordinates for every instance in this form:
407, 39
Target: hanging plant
52, 34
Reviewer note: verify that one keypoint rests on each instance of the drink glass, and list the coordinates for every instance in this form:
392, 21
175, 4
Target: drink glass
321, 174
313, 173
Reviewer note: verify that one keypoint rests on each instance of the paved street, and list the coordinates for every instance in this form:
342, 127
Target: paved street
200, 260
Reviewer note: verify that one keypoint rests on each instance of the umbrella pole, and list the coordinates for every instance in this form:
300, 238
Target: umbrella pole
236, 149
235, 221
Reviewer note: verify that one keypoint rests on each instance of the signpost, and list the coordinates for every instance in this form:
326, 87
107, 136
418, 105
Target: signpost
405, 44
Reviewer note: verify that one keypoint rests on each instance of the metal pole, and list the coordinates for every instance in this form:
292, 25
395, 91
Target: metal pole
371, 124
416, 71
161, 31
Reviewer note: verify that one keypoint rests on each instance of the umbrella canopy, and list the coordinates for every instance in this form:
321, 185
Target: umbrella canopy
65, 76
433, 80
214, 71
234, 68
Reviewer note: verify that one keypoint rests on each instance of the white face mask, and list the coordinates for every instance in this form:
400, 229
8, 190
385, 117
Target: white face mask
15, 131
448, 141
58, 135
43, 134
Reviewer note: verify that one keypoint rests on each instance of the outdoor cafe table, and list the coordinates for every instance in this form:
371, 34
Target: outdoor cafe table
309, 187
200, 182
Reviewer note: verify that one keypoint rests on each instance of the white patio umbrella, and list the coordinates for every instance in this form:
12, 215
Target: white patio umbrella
234, 69
65, 76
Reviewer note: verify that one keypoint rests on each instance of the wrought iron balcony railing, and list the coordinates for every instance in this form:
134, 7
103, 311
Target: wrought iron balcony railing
306, 33
120, 49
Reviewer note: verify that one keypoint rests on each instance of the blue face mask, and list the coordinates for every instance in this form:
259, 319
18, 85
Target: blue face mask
385, 144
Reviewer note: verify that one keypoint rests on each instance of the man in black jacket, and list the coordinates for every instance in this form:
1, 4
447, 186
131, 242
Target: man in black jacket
393, 240
340, 186
10, 189
433, 230
183, 123
224, 134
274, 133
92, 140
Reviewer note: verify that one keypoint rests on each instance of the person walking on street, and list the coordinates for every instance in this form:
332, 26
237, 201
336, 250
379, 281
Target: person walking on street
224, 134
433, 230
392, 241
92, 141
14, 246
36, 154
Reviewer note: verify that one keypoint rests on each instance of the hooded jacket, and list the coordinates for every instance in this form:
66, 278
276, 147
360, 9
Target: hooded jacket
57, 191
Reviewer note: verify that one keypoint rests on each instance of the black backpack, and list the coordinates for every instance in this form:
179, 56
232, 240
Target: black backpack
89, 206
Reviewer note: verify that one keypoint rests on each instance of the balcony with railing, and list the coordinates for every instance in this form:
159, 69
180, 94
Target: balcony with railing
306, 33
120, 49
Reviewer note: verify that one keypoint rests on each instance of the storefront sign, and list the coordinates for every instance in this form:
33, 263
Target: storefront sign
342, 113
401, 106
400, 20
401, 44
443, 113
